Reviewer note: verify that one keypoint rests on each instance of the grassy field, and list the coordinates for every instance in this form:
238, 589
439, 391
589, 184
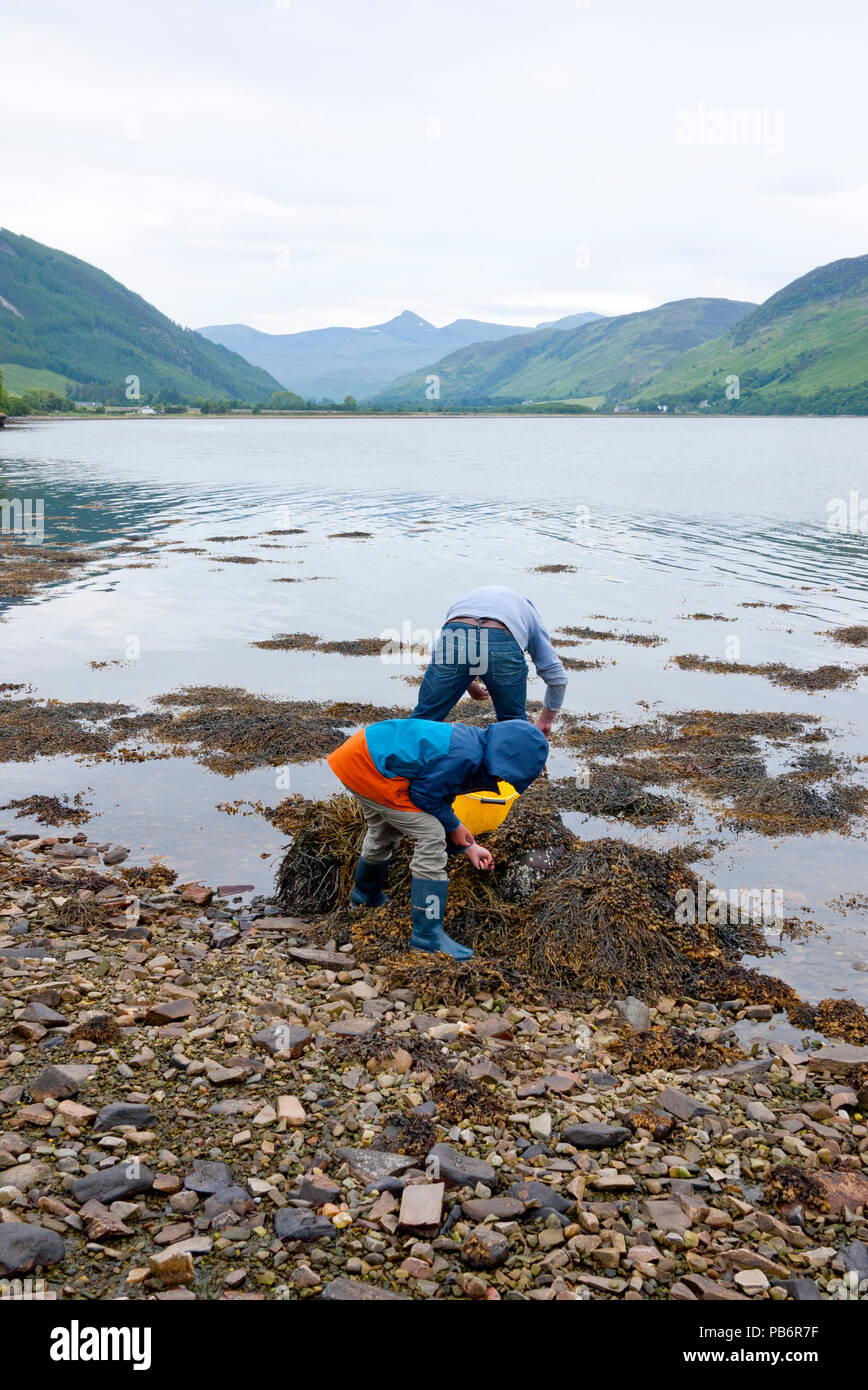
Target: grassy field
17, 380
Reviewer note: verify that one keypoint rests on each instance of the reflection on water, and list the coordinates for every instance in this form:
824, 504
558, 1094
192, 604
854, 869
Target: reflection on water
659, 520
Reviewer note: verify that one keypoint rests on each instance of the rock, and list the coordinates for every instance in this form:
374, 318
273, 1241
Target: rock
234, 1199
224, 936
800, 1290
755, 1110
41, 1013
23, 1176
170, 1011
101, 1222
318, 1190
855, 1257
541, 1125
116, 855
291, 1223
55, 1083
113, 1184
484, 1248
667, 1215
352, 1027
370, 1165
495, 1027
837, 1059
290, 1108
195, 893
119, 1113
538, 1195
594, 1136
312, 955
684, 1107
206, 1177
501, 1208
422, 1204
751, 1280
710, 1291
353, 1291
172, 1267
283, 1037
460, 1170
844, 1189
231, 890
24, 1247
634, 1013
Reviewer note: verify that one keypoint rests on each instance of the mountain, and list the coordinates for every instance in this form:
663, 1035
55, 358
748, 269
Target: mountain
571, 321
336, 362
601, 361
61, 314
809, 341
339, 362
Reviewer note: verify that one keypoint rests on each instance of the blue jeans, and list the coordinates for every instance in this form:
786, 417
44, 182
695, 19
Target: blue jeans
466, 652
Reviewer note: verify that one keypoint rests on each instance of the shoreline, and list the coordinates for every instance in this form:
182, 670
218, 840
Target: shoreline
18, 421
492, 1150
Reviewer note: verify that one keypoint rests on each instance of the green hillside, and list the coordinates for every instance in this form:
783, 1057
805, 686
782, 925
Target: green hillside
808, 342
17, 380
60, 314
610, 358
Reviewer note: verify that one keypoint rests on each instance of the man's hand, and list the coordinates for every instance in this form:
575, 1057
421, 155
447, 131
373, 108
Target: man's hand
477, 691
480, 857
544, 721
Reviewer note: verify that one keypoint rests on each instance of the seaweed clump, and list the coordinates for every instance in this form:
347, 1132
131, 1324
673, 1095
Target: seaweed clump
856, 635
50, 810
230, 730
788, 1185
616, 795
822, 678
149, 878
672, 1049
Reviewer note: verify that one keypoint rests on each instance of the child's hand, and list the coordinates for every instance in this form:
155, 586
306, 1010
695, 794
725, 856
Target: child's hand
479, 856
461, 836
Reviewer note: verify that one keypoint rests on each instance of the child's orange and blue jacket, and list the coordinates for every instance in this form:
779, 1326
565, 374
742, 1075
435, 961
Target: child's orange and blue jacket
421, 765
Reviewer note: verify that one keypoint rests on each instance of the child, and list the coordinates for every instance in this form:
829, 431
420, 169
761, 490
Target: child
406, 773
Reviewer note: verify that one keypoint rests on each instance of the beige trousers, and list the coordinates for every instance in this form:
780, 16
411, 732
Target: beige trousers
386, 827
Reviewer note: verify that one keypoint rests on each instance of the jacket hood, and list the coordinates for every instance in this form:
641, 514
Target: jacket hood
515, 752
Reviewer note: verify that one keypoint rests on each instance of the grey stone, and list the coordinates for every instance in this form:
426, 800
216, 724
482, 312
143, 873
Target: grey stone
370, 1165
354, 1291
113, 1184
24, 1247
460, 1170
234, 1199
593, 1136
501, 1208
538, 1195
119, 1113
682, 1106
206, 1178
41, 1013
484, 1248
800, 1290
634, 1013
281, 1037
292, 1223
840, 1058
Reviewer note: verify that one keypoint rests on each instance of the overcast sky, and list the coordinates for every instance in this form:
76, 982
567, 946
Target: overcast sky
311, 162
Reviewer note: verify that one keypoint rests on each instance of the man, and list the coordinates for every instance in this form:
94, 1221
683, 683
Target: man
486, 633
405, 774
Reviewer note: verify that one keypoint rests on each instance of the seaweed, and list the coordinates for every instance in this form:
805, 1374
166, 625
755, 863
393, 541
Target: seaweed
822, 678
50, 810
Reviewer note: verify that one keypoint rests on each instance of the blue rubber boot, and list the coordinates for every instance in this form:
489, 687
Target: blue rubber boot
428, 898
369, 882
